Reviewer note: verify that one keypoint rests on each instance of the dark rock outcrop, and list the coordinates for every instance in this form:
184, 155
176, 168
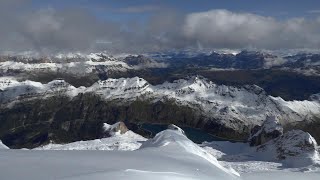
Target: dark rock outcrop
110, 130
294, 148
270, 129
137, 60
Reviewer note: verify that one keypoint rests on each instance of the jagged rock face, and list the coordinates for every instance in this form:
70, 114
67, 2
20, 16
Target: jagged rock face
270, 129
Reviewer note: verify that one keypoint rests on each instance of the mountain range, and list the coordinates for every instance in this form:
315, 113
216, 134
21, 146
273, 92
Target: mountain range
65, 113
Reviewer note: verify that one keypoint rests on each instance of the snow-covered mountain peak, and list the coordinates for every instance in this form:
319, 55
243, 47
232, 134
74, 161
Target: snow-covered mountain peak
192, 83
15, 90
58, 84
122, 83
121, 88
101, 57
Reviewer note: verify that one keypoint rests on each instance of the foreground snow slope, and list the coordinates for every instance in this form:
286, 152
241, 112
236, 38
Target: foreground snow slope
169, 156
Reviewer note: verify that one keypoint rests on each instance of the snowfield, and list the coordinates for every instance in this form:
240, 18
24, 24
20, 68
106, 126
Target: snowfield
169, 155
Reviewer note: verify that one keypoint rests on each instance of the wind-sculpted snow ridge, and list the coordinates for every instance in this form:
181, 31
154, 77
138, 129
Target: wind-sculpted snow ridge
248, 104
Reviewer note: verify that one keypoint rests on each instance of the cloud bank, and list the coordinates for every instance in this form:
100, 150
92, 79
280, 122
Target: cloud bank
222, 28
75, 29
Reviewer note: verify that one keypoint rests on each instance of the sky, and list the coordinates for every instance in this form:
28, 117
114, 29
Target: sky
157, 25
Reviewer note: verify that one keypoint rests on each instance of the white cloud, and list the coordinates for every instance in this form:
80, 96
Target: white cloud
79, 29
222, 28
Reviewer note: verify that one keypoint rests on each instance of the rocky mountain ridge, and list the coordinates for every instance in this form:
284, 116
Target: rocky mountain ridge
225, 111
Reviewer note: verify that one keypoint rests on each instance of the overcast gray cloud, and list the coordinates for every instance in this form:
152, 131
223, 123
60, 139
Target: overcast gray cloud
52, 30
